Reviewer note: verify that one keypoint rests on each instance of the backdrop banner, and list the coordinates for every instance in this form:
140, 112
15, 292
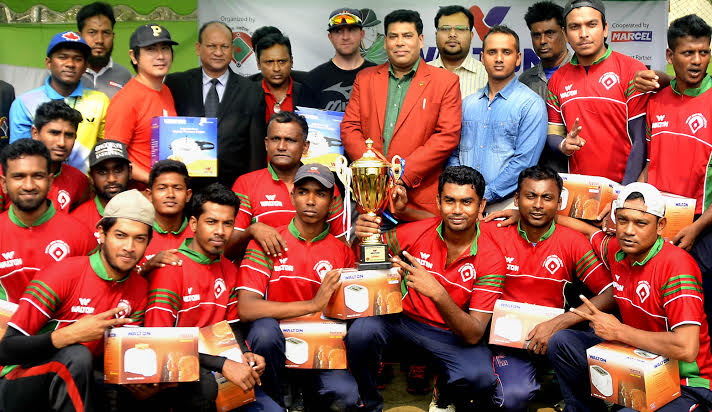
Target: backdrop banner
635, 28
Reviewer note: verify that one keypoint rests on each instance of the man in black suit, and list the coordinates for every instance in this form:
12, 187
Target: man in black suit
7, 95
213, 90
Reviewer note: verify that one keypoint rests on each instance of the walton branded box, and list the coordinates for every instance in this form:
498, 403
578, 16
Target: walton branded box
313, 342
218, 340
324, 136
151, 355
584, 197
512, 322
366, 293
679, 212
7, 309
191, 140
632, 377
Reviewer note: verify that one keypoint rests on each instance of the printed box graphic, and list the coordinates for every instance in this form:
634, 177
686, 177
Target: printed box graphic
366, 293
512, 322
191, 140
314, 342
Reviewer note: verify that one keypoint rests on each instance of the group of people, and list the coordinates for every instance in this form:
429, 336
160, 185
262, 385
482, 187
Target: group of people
94, 236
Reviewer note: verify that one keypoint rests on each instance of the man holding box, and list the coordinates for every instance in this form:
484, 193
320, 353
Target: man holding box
298, 282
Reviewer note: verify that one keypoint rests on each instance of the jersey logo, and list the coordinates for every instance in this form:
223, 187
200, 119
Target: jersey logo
270, 197
270, 202
609, 80
643, 290
510, 264
63, 199
661, 122
660, 117
156, 30
553, 263
423, 260
58, 249
569, 92
83, 307
219, 287
8, 255
467, 272
569, 87
10, 260
284, 266
322, 267
339, 88
191, 297
617, 286
84, 301
70, 35
424, 255
125, 309
696, 122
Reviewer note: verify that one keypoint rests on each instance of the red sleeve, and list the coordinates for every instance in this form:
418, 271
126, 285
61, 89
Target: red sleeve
120, 119
605, 247
351, 127
490, 275
588, 267
402, 237
244, 215
43, 297
682, 293
87, 243
336, 217
255, 270
635, 100
231, 280
553, 106
164, 296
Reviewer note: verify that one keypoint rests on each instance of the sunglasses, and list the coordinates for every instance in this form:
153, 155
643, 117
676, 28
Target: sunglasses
344, 18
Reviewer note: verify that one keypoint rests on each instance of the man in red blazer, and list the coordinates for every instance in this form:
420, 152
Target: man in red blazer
407, 108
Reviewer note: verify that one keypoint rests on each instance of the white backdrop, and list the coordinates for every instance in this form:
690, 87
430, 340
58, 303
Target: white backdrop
636, 28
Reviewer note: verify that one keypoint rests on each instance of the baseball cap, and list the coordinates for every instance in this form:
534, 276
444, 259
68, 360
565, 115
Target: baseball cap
345, 17
575, 4
108, 149
654, 201
149, 34
315, 171
68, 38
131, 204
369, 18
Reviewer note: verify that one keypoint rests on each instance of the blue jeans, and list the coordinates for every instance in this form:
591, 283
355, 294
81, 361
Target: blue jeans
516, 370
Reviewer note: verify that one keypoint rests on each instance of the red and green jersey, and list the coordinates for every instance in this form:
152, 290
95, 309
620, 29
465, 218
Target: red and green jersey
474, 281
24, 250
264, 198
296, 275
658, 294
90, 213
165, 240
537, 272
680, 143
603, 98
199, 293
68, 186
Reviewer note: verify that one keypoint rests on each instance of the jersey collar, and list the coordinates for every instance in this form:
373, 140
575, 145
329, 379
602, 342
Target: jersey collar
196, 257
704, 86
574, 60
272, 172
473, 247
295, 232
98, 266
47, 215
59, 172
657, 246
53, 95
177, 232
99, 207
545, 236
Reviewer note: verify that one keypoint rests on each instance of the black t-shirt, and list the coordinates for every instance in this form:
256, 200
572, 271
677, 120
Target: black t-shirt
332, 85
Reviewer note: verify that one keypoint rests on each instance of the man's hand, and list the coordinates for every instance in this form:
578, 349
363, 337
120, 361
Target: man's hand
538, 338
572, 142
399, 200
604, 324
143, 391
329, 284
241, 374
269, 239
367, 225
511, 217
256, 361
646, 81
161, 259
87, 329
685, 238
419, 278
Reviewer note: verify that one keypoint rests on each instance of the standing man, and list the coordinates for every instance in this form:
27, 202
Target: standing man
95, 22
453, 36
592, 100
546, 28
332, 81
407, 108
144, 97
504, 124
66, 61
214, 90
7, 96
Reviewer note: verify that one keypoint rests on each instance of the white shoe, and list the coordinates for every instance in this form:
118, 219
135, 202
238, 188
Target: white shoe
434, 407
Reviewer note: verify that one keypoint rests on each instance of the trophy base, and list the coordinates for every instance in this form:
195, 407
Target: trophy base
374, 257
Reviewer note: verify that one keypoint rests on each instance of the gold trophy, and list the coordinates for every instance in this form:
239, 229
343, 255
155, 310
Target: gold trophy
372, 181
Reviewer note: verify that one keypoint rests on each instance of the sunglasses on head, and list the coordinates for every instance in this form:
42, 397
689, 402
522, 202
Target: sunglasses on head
344, 18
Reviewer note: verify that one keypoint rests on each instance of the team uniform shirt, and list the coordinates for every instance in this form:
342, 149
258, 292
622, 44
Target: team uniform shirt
658, 294
68, 186
109, 79
90, 213
604, 99
67, 291
537, 272
264, 198
128, 119
296, 275
680, 143
202, 292
24, 250
165, 239
474, 280
287, 104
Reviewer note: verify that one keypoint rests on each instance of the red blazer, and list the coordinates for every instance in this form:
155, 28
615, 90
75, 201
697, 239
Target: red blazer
426, 133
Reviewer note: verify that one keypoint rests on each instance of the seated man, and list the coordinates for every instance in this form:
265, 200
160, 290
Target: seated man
202, 292
455, 275
300, 283
53, 343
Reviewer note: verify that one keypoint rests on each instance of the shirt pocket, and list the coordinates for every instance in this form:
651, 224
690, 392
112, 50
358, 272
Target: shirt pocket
505, 134
468, 135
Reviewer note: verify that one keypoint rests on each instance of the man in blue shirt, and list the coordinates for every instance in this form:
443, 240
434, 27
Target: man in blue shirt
504, 124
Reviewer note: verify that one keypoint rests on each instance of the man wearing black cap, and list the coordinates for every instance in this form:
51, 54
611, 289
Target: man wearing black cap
333, 80
144, 97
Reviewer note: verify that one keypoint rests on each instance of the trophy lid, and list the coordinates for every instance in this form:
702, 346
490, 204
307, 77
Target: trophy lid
369, 158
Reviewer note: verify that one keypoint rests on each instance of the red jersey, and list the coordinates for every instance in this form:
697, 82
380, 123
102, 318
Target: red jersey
69, 185
296, 275
199, 293
604, 99
165, 240
537, 272
286, 106
128, 118
24, 250
90, 213
680, 143
474, 281
658, 294
264, 198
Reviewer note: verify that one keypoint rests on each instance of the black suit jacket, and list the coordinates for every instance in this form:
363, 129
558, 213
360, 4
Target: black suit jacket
241, 124
7, 95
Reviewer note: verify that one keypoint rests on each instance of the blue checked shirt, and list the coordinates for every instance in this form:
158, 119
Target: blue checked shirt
502, 137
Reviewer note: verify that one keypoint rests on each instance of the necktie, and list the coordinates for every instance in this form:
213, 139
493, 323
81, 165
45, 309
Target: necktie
211, 100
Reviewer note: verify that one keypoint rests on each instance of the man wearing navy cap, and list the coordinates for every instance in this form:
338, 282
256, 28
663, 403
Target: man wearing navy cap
66, 61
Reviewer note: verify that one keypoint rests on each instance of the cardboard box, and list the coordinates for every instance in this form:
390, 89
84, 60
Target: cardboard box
324, 136
7, 309
512, 322
632, 377
191, 140
151, 355
584, 197
218, 340
314, 342
366, 293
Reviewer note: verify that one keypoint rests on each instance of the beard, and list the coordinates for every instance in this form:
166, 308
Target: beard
28, 205
104, 194
101, 60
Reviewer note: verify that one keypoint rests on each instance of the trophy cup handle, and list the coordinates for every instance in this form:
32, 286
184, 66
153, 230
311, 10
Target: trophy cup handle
343, 172
397, 166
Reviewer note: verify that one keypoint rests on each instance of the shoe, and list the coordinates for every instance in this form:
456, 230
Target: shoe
439, 402
418, 380
384, 375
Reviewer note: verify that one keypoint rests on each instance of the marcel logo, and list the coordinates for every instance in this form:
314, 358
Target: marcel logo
630, 36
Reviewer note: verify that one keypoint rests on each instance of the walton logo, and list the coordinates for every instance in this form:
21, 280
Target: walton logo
569, 92
10, 260
510, 264
423, 260
569, 87
424, 255
467, 272
284, 266
629, 36
219, 287
83, 307
84, 301
8, 255
609, 80
494, 17
660, 122
553, 263
58, 249
643, 290
270, 202
63, 199
696, 122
